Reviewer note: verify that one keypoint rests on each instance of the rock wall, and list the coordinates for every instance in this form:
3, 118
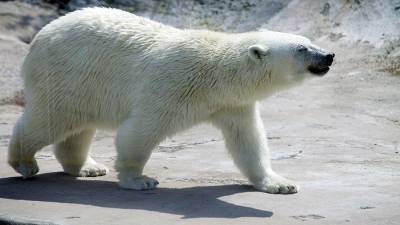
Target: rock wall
364, 33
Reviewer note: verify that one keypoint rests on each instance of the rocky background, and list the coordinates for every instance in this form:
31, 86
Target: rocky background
366, 32
338, 136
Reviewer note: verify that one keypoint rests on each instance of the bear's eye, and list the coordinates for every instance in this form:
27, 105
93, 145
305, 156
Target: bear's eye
301, 48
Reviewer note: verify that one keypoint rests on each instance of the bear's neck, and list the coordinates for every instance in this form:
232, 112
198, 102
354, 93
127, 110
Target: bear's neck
232, 76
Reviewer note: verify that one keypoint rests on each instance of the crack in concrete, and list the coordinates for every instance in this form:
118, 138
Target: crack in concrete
179, 147
291, 156
308, 217
211, 180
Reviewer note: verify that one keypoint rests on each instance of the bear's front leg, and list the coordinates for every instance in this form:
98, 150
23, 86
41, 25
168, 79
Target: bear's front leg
245, 138
136, 138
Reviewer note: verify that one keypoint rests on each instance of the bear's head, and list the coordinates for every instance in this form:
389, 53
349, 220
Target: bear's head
286, 59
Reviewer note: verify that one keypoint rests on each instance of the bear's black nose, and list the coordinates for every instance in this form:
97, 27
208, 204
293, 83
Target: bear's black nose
329, 58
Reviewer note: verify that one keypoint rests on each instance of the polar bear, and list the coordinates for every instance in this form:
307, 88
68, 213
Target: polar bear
102, 68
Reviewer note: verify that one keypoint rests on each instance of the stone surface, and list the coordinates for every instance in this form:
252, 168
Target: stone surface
338, 140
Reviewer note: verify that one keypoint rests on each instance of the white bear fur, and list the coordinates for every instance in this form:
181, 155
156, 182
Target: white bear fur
106, 68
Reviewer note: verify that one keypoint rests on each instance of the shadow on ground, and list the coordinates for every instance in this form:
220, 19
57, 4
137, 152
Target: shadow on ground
192, 202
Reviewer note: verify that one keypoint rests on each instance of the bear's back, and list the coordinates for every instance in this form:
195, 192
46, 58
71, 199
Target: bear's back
101, 23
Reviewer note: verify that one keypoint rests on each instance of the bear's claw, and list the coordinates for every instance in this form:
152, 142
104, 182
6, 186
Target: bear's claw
276, 184
138, 183
26, 168
92, 169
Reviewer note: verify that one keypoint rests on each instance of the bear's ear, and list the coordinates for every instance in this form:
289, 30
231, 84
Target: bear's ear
257, 52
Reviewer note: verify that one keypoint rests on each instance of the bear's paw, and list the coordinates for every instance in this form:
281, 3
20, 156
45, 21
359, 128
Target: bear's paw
138, 183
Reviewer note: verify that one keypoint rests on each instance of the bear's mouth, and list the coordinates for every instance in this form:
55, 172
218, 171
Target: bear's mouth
318, 70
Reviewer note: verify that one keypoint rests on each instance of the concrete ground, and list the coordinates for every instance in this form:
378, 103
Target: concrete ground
337, 136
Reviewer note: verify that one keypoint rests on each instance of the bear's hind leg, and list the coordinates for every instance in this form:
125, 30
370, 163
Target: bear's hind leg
73, 154
30, 134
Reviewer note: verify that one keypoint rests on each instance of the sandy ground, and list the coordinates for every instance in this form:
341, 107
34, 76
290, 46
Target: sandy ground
339, 141
337, 136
